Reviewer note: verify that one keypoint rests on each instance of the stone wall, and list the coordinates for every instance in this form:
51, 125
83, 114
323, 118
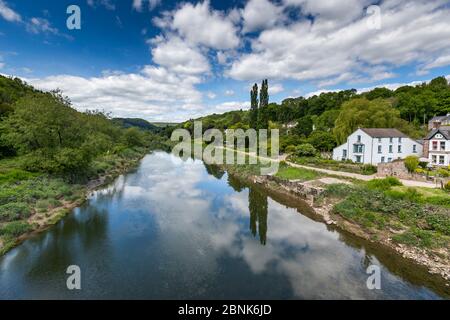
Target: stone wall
397, 169
298, 188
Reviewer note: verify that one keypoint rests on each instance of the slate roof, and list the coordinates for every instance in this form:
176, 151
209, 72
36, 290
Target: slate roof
440, 118
444, 132
384, 133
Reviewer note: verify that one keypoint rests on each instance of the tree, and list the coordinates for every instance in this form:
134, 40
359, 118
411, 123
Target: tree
133, 137
263, 112
254, 107
364, 113
306, 150
411, 163
304, 126
322, 141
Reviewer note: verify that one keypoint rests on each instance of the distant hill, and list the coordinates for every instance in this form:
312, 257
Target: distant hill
136, 122
164, 124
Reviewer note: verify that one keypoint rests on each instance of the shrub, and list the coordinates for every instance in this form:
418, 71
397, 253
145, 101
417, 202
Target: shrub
15, 175
447, 186
411, 163
419, 171
290, 149
305, 150
14, 211
15, 228
443, 172
383, 184
339, 190
368, 169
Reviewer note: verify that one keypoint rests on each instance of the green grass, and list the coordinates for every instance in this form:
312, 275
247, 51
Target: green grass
291, 173
15, 228
14, 211
334, 165
376, 205
15, 175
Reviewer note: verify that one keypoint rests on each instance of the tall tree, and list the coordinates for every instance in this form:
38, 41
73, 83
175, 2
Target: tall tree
263, 116
254, 107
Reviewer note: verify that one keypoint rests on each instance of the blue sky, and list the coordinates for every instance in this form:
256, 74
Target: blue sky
165, 60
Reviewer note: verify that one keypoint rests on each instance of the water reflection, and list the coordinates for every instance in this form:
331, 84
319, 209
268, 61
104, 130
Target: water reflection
257, 205
182, 229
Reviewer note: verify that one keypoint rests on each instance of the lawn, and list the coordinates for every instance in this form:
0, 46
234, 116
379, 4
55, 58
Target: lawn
291, 173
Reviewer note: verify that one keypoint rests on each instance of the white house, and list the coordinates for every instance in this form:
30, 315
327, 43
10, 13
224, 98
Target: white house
373, 146
437, 146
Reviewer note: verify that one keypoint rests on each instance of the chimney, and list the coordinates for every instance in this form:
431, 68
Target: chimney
436, 124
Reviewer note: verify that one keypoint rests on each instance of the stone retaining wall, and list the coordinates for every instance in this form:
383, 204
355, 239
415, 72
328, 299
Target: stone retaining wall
299, 188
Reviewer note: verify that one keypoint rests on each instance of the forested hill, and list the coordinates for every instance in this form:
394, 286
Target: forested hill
136, 122
334, 115
44, 133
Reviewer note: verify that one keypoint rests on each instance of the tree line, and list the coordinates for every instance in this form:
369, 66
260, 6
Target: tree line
326, 120
47, 134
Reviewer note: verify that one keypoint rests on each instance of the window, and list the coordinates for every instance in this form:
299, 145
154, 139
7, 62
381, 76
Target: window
379, 140
414, 148
344, 154
434, 159
399, 140
434, 145
358, 159
390, 149
358, 148
391, 140
389, 159
442, 145
359, 138
379, 149
441, 160
382, 159
399, 149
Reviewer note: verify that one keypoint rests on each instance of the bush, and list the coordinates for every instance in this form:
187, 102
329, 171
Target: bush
368, 169
411, 163
14, 211
305, 150
383, 184
420, 171
15, 228
447, 186
290, 149
15, 175
443, 172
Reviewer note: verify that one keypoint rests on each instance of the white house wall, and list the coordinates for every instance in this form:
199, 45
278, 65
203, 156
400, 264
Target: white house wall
370, 154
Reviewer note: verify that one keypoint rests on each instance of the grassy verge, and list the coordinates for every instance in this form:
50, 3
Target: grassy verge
32, 201
291, 173
334, 165
412, 216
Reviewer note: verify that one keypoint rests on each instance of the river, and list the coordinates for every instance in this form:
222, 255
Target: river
174, 229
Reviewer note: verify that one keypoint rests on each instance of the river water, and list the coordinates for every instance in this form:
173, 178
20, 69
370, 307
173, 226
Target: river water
175, 229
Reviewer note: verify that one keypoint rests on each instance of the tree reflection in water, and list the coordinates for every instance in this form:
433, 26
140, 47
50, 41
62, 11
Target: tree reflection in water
257, 205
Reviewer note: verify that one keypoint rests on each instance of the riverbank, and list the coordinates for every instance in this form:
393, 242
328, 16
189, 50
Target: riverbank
393, 216
31, 203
